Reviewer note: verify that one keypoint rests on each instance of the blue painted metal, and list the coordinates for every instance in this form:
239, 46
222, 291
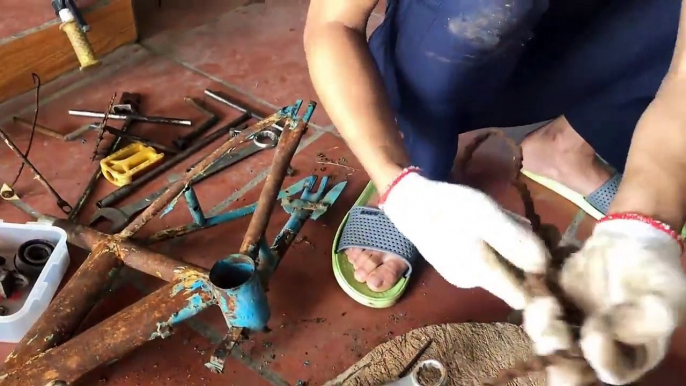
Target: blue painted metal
239, 293
233, 214
313, 200
266, 257
310, 110
301, 210
194, 206
329, 199
192, 284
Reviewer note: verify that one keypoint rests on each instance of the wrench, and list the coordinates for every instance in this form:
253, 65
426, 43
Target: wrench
120, 217
10, 196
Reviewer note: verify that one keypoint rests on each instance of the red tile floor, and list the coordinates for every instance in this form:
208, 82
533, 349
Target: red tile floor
254, 53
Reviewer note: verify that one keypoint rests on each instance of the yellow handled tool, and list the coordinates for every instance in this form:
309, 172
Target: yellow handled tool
75, 27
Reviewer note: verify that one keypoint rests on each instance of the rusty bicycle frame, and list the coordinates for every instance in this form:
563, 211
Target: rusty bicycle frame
49, 355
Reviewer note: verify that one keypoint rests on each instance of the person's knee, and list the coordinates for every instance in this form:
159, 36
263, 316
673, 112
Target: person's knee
490, 24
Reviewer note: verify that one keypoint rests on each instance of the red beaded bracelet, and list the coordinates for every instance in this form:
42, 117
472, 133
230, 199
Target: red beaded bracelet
659, 225
406, 171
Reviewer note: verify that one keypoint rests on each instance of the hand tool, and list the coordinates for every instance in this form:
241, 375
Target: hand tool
124, 191
135, 117
61, 203
52, 133
101, 127
132, 100
75, 26
120, 217
80, 131
136, 138
39, 129
11, 197
219, 96
184, 141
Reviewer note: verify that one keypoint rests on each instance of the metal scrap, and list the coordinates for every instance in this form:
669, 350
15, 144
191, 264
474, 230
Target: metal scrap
61, 203
47, 354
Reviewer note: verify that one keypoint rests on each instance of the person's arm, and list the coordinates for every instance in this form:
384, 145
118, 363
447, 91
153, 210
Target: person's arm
349, 85
654, 181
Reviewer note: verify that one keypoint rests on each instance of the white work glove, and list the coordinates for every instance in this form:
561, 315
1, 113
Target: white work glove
629, 282
457, 229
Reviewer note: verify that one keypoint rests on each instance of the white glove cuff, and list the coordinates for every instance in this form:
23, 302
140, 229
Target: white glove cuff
641, 231
405, 174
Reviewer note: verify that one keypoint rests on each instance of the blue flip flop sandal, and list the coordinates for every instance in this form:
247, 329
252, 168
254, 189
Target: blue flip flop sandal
595, 204
369, 228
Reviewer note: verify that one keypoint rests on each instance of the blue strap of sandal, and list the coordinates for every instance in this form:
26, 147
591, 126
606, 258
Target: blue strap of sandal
370, 228
602, 197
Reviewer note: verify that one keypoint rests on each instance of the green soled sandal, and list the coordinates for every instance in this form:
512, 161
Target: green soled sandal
369, 228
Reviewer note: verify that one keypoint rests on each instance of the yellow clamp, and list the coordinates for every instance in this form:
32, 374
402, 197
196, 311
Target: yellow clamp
121, 166
82, 47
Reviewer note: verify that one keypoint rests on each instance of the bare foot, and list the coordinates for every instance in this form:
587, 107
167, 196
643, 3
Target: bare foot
379, 270
558, 152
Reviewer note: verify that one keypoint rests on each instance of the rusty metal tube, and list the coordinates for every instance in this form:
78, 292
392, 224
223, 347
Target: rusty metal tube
70, 307
267, 201
139, 258
153, 263
177, 187
150, 318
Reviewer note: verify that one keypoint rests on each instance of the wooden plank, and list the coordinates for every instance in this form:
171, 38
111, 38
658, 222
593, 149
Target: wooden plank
48, 53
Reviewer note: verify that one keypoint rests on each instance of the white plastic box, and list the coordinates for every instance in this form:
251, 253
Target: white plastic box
25, 311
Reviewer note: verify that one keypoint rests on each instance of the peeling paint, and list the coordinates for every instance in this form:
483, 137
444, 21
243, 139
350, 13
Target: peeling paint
32, 339
194, 306
163, 331
189, 280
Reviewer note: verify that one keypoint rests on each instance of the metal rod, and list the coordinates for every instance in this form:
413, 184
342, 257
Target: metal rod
90, 282
184, 141
132, 99
282, 243
9, 195
210, 222
79, 132
131, 254
267, 201
40, 129
220, 97
194, 207
61, 203
178, 186
135, 117
154, 316
136, 138
124, 191
151, 318
71, 305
